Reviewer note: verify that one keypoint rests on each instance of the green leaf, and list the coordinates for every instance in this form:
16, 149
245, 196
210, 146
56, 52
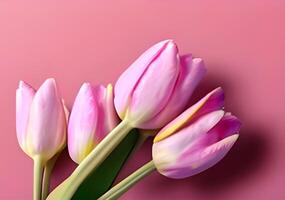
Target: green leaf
97, 183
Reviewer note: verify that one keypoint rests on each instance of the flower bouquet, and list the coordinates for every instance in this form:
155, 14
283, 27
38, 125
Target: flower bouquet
152, 94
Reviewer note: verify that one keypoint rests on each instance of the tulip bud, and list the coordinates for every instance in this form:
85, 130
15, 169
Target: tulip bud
157, 86
92, 117
197, 139
40, 120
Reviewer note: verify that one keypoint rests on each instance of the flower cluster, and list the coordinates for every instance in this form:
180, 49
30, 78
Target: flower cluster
152, 94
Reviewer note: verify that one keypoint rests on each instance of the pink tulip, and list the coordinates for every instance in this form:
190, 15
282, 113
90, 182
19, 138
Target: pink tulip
157, 86
197, 139
92, 117
40, 120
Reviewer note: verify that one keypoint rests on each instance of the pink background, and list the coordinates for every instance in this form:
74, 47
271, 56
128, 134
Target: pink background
242, 43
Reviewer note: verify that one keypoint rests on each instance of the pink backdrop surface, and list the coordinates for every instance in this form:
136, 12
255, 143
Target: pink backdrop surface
242, 43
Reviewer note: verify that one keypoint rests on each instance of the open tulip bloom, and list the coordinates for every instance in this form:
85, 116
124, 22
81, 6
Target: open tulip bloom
152, 95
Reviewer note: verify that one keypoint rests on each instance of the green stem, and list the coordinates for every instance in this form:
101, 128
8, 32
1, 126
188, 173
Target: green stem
46, 176
123, 186
38, 173
91, 162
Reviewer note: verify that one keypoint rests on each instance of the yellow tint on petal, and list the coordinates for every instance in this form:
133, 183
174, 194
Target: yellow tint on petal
109, 90
180, 123
86, 150
28, 146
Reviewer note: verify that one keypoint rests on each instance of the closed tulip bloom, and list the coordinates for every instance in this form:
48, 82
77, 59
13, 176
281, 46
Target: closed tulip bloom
41, 125
197, 139
40, 120
157, 86
92, 117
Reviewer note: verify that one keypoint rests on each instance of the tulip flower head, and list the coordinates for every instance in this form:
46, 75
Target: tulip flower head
197, 139
92, 117
40, 120
157, 86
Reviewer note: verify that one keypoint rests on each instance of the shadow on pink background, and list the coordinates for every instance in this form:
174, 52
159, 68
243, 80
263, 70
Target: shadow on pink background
242, 43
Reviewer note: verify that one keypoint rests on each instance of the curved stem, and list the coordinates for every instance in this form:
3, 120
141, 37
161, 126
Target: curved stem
91, 162
38, 173
123, 186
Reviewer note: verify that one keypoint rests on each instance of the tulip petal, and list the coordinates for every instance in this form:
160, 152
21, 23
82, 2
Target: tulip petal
189, 165
211, 102
82, 124
191, 73
47, 122
106, 112
156, 86
226, 127
206, 149
128, 80
66, 111
24, 97
166, 151
112, 119
93, 116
